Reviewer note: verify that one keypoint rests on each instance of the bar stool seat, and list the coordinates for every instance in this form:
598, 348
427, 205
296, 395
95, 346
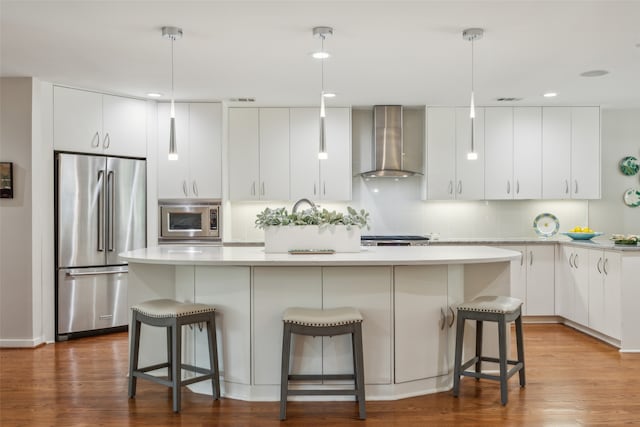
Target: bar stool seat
172, 315
319, 322
500, 309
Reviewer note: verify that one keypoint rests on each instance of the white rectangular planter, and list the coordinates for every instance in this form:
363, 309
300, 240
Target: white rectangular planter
336, 237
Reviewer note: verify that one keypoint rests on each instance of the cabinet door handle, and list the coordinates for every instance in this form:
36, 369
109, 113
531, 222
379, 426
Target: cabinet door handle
575, 261
253, 188
460, 187
571, 260
576, 182
453, 317
185, 190
314, 189
262, 188
195, 188
530, 257
518, 186
442, 322
95, 141
605, 266
324, 188
107, 140
450, 187
508, 187
599, 264
522, 255
566, 186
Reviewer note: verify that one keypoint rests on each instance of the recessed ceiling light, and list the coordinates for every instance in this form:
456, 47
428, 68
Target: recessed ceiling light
329, 95
508, 99
320, 55
594, 73
550, 94
154, 95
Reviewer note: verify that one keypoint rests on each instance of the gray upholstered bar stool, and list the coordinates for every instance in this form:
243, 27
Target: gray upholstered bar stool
317, 322
173, 315
499, 309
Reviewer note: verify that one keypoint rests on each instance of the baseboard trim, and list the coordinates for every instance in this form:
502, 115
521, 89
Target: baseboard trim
22, 343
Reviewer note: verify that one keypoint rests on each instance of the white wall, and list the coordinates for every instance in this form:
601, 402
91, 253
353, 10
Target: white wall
16, 294
620, 138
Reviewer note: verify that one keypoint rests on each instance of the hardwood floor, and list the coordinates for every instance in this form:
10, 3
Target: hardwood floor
571, 379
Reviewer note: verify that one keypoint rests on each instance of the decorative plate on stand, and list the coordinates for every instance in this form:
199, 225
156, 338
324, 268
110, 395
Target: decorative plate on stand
629, 166
546, 225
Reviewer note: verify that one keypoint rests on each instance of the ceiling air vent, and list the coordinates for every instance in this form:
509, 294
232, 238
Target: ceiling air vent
508, 99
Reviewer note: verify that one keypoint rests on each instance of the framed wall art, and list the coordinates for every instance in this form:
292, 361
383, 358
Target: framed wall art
6, 180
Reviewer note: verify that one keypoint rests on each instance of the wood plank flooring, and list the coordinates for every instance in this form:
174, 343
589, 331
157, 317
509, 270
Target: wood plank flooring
572, 379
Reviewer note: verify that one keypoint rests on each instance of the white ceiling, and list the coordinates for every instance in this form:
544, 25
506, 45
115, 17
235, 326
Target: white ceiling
384, 52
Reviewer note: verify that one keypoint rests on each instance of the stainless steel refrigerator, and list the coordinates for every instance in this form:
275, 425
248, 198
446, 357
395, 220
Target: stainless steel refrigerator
100, 212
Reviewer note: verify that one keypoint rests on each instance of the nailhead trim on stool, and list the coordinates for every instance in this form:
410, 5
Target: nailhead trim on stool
500, 309
318, 322
173, 315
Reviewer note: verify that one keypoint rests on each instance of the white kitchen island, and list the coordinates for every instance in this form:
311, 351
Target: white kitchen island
407, 296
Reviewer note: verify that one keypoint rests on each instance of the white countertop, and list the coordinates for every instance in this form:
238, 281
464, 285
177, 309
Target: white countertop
381, 255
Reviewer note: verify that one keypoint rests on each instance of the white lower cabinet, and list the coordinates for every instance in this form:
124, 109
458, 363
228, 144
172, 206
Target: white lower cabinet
573, 295
369, 290
535, 284
423, 322
274, 290
605, 292
228, 290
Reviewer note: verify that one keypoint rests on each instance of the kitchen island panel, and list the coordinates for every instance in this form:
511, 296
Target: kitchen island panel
369, 290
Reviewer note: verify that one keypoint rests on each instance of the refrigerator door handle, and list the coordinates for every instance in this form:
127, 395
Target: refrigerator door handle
111, 190
101, 211
93, 273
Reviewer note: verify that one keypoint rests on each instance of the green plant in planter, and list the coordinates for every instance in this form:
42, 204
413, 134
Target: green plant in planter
281, 217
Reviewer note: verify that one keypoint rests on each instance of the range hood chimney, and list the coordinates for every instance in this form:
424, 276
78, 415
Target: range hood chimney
388, 147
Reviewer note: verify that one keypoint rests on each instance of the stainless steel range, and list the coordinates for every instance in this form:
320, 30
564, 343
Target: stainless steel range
394, 240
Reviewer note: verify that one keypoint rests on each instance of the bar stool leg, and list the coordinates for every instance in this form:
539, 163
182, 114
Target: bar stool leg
359, 372
133, 352
176, 366
458, 357
169, 351
479, 330
502, 344
284, 372
213, 355
520, 345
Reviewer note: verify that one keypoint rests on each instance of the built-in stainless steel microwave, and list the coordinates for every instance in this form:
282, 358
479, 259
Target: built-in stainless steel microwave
197, 221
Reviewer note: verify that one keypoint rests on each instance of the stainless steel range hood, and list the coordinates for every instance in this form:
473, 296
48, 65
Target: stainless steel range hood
388, 149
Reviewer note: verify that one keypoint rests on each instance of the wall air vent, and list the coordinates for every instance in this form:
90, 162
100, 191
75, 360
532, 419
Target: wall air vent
508, 99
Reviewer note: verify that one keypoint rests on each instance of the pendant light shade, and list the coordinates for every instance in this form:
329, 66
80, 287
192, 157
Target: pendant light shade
472, 34
172, 33
322, 33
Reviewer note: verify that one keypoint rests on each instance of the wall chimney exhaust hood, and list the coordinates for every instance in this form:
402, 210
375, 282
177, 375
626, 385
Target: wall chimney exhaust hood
388, 151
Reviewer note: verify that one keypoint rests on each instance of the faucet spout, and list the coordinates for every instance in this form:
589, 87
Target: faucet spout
301, 201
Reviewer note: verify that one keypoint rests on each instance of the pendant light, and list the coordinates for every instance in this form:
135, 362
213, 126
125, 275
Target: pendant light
322, 33
472, 34
172, 33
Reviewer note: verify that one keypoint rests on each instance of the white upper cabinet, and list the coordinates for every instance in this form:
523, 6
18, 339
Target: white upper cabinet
571, 152
450, 175
441, 153
585, 152
197, 174
244, 153
328, 179
274, 153
499, 153
259, 153
469, 183
527, 152
90, 122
